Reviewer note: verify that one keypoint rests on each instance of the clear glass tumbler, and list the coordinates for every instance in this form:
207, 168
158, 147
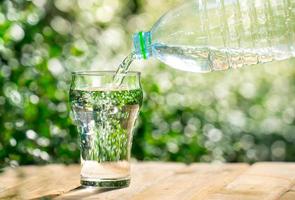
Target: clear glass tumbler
105, 115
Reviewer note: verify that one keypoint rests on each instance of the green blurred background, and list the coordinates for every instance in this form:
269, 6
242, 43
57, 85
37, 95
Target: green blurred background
243, 115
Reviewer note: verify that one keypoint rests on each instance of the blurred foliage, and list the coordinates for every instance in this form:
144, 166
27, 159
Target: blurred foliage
239, 115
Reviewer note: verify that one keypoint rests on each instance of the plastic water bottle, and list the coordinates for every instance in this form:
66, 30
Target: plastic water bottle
210, 35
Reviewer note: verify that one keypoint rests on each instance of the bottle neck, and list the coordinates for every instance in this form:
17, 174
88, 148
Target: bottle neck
142, 42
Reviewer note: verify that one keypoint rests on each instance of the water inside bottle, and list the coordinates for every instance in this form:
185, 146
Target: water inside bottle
206, 59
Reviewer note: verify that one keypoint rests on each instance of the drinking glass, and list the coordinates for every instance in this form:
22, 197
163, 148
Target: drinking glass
105, 114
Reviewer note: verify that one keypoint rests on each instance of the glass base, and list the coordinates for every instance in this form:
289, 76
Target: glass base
106, 183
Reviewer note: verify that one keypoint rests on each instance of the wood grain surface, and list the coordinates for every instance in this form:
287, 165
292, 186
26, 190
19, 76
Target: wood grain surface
157, 181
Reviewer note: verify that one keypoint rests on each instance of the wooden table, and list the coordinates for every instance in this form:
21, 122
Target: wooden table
154, 180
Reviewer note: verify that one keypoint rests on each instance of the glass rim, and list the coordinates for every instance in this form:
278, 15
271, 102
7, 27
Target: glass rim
102, 73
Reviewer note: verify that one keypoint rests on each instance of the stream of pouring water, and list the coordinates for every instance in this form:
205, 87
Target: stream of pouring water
123, 69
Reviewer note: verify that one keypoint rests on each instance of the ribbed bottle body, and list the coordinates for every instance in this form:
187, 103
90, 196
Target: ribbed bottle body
210, 35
